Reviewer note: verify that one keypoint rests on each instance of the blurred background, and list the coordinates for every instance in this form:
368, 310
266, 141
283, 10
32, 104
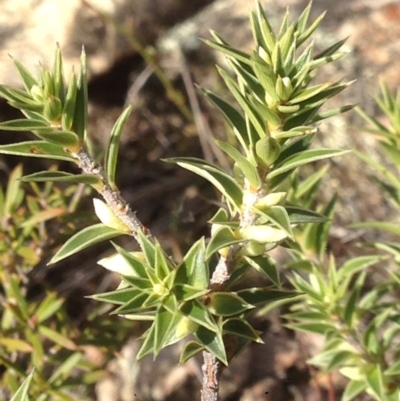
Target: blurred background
149, 54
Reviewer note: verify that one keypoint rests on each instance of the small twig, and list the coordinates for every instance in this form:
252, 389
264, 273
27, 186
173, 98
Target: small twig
113, 198
212, 367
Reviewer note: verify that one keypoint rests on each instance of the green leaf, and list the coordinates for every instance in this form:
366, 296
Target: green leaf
279, 216
249, 171
266, 77
162, 326
186, 292
317, 328
304, 157
61, 176
212, 342
221, 46
261, 295
350, 310
118, 297
138, 265
39, 149
148, 249
111, 156
13, 192
227, 304
137, 303
354, 265
309, 31
376, 383
222, 181
148, 343
223, 237
379, 225
83, 239
234, 118
239, 327
196, 311
353, 389
340, 359
14, 344
24, 124
48, 307
194, 269
67, 117
22, 393
265, 265
303, 19
60, 138
58, 76
393, 370
299, 215
65, 369
251, 113
190, 349
57, 337
28, 79
79, 124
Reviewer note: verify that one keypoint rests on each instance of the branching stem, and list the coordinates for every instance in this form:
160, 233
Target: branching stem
113, 198
212, 367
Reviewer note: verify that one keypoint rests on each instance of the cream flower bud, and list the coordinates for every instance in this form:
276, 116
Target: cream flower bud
263, 234
108, 218
269, 200
117, 264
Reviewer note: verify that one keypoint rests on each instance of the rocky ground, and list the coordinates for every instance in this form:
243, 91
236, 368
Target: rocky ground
172, 202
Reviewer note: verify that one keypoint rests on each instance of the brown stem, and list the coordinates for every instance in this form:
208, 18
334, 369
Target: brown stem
113, 198
212, 367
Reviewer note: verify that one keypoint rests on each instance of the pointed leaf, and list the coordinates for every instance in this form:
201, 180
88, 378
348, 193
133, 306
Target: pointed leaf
79, 124
36, 149
250, 112
67, 117
257, 296
191, 349
234, 118
279, 216
353, 389
224, 237
298, 215
57, 337
185, 292
28, 79
266, 266
249, 171
83, 239
241, 328
22, 393
305, 157
24, 124
65, 369
118, 297
111, 156
194, 269
223, 182
61, 176
197, 312
376, 382
212, 342
227, 304
66, 139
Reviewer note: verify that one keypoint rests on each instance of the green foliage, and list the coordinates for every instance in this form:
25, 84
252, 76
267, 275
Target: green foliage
265, 203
